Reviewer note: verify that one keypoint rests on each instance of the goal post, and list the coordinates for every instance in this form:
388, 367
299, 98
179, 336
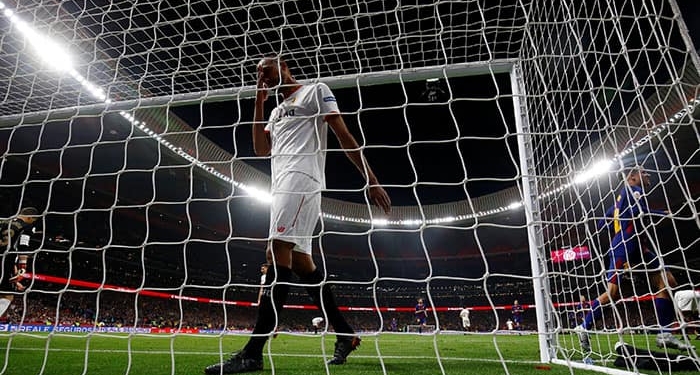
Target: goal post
528, 184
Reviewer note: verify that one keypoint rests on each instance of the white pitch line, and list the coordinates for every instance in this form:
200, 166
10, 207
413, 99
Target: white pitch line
162, 352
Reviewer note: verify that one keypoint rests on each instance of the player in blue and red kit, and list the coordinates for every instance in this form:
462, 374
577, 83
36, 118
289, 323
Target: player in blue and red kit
517, 313
421, 315
394, 325
582, 308
628, 249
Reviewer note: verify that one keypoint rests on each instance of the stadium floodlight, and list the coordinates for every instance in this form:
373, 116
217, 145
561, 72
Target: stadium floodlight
605, 166
48, 50
596, 170
380, 222
55, 55
257, 193
515, 205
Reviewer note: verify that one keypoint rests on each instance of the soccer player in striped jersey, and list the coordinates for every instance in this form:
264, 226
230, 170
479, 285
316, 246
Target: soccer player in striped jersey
421, 315
517, 311
629, 248
295, 137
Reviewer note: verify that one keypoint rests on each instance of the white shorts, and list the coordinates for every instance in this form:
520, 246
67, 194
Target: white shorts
295, 209
466, 323
687, 300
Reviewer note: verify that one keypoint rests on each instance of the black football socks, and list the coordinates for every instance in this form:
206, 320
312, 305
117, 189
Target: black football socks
267, 312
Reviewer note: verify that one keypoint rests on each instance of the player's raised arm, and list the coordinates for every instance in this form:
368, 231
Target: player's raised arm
347, 141
261, 139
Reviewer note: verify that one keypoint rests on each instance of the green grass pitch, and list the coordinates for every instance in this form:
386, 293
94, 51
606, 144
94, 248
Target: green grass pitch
120, 354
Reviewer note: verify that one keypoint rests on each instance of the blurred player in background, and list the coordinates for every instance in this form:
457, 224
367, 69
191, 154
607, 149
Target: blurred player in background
629, 248
263, 278
582, 308
394, 325
295, 137
466, 323
15, 238
687, 303
316, 323
421, 315
516, 312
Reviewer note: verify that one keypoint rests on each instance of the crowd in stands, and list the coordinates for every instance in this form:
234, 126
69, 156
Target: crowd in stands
90, 308
81, 310
135, 268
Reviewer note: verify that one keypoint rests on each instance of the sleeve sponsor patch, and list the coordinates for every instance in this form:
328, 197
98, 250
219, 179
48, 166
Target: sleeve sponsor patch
329, 99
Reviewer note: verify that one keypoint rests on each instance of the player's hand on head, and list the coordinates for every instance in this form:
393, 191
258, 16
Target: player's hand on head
263, 91
379, 197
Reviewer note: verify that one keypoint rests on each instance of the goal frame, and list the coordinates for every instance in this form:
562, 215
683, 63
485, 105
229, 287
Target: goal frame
533, 219
248, 92
527, 185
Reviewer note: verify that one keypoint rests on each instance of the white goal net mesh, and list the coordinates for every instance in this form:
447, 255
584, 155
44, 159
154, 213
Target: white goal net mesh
613, 87
502, 130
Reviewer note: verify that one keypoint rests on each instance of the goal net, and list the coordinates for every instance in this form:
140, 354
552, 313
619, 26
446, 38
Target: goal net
502, 130
611, 90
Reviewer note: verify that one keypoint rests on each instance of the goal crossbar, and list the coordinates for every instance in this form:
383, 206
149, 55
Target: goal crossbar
336, 82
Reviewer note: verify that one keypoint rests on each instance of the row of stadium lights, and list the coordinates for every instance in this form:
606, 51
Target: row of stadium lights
56, 57
53, 54
604, 166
